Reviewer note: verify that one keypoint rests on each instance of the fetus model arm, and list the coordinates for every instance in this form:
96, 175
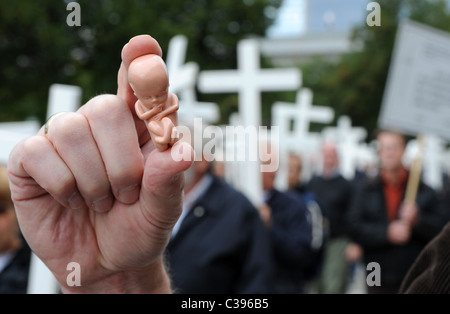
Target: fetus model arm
155, 105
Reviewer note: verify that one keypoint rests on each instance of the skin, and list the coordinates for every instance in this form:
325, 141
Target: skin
391, 149
95, 191
330, 159
155, 105
268, 182
294, 170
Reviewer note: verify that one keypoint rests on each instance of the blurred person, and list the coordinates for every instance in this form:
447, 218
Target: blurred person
294, 171
219, 244
392, 231
286, 219
315, 217
218, 168
14, 252
334, 193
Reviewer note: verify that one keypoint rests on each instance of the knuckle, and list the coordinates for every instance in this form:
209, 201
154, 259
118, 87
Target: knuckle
103, 106
95, 189
31, 145
64, 184
126, 175
69, 126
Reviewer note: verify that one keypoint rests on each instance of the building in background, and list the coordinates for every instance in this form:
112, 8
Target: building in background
313, 28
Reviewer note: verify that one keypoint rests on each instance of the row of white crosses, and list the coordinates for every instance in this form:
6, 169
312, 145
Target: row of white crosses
299, 140
248, 81
183, 79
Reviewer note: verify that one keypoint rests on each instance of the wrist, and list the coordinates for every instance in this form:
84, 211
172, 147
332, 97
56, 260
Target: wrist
152, 279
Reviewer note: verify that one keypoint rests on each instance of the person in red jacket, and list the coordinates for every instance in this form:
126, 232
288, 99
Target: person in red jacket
391, 230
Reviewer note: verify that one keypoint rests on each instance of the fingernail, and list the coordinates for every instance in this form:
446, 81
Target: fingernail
102, 204
129, 194
76, 201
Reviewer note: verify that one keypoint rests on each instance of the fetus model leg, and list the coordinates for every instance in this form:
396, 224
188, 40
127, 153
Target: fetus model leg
155, 105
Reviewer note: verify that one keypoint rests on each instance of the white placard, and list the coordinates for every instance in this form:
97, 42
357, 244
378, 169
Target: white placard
417, 96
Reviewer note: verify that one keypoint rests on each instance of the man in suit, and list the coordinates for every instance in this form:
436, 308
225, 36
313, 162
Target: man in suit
219, 244
393, 231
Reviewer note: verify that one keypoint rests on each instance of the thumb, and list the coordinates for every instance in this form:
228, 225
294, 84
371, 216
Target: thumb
137, 46
163, 183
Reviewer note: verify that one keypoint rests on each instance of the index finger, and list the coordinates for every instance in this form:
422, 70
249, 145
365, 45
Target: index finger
137, 46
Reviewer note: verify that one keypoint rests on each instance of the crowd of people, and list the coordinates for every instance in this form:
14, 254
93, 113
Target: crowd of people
303, 240
155, 233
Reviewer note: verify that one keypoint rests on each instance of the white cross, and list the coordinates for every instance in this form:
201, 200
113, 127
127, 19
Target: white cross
182, 77
298, 140
433, 159
302, 113
433, 162
348, 140
63, 98
249, 80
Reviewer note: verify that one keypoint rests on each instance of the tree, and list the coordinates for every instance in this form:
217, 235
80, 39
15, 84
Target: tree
355, 85
38, 48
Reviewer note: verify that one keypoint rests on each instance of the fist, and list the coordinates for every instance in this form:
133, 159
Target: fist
399, 232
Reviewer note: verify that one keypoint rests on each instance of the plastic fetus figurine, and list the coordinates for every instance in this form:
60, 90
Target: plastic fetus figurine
155, 105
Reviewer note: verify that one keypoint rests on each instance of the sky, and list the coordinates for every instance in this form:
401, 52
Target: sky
295, 17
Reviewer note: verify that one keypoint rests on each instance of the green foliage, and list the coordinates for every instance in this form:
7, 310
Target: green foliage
37, 48
355, 85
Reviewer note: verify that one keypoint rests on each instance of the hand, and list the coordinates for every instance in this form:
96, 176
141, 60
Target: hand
96, 192
266, 214
399, 232
353, 253
409, 213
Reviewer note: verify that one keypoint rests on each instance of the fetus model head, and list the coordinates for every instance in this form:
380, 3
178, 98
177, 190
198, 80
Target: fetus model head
149, 80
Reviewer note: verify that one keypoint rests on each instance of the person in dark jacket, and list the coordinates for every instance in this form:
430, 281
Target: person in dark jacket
14, 252
286, 219
315, 217
393, 231
334, 194
219, 245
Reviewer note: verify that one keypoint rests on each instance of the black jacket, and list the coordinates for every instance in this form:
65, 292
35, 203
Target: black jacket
291, 237
221, 246
334, 195
14, 278
368, 225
